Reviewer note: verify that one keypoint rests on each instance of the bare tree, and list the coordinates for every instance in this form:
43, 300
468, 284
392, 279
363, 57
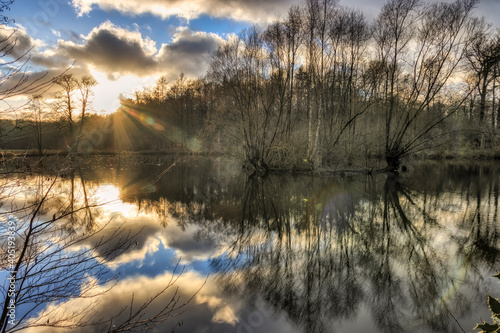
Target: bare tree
293, 41
14, 79
36, 116
84, 86
251, 70
421, 49
5, 6
483, 56
68, 104
66, 101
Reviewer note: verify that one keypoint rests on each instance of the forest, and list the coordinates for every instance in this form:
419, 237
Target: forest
321, 88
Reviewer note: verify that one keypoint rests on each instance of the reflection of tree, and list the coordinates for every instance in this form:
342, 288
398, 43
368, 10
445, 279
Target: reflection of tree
289, 260
320, 260
320, 250
61, 255
482, 207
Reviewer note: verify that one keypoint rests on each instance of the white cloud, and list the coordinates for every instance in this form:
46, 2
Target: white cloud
260, 11
55, 33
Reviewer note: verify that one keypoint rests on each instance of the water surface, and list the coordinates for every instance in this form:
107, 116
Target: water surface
285, 253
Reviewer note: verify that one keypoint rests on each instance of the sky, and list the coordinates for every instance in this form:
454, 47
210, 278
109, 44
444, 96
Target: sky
127, 44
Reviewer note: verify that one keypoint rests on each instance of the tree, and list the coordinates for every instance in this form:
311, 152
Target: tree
67, 103
254, 81
4, 6
293, 41
318, 13
15, 81
160, 90
84, 85
37, 114
420, 48
42, 245
483, 56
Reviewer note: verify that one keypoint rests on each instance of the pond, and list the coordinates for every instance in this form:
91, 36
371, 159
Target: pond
282, 253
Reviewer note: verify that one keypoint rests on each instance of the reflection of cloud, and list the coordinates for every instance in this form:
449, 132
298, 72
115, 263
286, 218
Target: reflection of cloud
138, 233
224, 313
150, 246
206, 309
262, 11
186, 244
145, 232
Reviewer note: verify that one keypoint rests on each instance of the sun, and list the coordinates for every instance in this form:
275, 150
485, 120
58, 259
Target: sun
107, 93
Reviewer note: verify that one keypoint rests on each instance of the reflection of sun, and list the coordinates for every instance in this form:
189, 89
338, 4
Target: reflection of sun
109, 196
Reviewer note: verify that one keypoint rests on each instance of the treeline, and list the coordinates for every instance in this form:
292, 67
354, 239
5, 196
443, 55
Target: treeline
321, 87
324, 86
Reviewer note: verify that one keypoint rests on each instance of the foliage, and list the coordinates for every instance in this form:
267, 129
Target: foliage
494, 306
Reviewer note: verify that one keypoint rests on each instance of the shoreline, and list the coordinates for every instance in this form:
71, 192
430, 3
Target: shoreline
328, 170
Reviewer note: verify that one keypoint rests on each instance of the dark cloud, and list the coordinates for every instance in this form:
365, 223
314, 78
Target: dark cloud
114, 51
189, 53
117, 51
189, 42
50, 60
20, 42
21, 46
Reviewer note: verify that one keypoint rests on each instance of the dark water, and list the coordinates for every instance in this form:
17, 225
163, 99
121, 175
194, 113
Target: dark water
284, 253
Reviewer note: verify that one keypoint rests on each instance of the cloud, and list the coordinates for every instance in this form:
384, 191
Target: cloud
55, 32
113, 50
22, 43
117, 52
490, 10
189, 52
21, 47
258, 11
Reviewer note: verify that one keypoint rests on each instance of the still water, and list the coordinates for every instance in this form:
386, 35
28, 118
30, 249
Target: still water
284, 253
